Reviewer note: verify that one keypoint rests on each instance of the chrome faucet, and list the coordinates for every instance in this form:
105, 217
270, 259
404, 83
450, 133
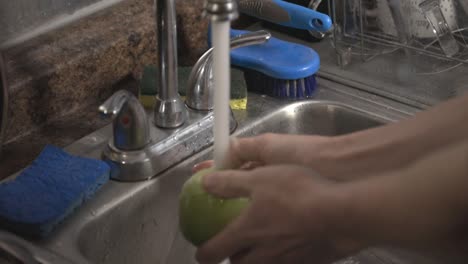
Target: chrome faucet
139, 151
169, 110
3, 101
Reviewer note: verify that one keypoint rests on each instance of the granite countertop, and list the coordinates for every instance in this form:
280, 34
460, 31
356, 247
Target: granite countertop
57, 80
61, 132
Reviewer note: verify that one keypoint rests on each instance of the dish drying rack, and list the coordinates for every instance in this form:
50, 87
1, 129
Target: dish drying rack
410, 49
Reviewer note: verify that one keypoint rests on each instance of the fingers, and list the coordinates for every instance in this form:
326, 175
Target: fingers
268, 149
239, 256
306, 254
210, 163
228, 183
252, 149
203, 165
251, 165
252, 257
225, 244
258, 150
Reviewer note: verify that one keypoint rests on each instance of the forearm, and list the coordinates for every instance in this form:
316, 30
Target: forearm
397, 145
421, 206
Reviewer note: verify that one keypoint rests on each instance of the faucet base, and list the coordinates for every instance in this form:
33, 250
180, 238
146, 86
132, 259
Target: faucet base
169, 113
167, 148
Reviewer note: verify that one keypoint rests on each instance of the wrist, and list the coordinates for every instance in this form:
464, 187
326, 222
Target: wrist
380, 210
329, 152
367, 153
356, 212
342, 222
348, 157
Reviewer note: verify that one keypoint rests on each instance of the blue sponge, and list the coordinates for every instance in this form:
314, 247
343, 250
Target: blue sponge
48, 190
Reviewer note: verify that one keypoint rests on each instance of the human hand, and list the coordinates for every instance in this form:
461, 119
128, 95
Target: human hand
293, 217
268, 149
342, 158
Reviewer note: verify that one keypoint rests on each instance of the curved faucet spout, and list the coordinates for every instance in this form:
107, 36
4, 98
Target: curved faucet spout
200, 87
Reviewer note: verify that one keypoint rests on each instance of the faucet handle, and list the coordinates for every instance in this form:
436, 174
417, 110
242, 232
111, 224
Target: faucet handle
130, 125
200, 83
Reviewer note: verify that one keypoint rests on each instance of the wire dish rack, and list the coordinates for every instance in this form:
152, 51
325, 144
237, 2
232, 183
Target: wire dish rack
412, 48
420, 28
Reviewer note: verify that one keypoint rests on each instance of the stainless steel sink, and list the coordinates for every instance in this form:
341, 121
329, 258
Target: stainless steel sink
140, 227
138, 222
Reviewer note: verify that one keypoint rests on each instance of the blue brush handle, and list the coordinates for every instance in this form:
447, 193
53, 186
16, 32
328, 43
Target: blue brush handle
286, 14
276, 58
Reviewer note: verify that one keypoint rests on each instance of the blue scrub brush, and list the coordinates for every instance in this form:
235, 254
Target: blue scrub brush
55, 184
277, 68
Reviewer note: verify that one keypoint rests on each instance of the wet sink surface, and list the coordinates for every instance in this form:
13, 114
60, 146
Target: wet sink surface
138, 222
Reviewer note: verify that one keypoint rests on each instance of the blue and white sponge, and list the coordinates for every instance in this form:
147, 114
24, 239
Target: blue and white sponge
40, 197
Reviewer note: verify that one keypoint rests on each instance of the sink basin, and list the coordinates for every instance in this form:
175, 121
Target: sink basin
138, 222
129, 232
314, 118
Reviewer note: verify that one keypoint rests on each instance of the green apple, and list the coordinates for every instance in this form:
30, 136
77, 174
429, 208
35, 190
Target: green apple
202, 215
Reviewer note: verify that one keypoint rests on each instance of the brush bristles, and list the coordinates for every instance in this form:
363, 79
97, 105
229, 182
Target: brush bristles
290, 89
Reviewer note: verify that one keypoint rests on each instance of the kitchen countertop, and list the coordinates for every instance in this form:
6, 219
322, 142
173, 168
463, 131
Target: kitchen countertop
61, 132
57, 80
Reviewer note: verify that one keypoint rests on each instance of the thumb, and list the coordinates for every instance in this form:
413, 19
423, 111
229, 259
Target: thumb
228, 183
